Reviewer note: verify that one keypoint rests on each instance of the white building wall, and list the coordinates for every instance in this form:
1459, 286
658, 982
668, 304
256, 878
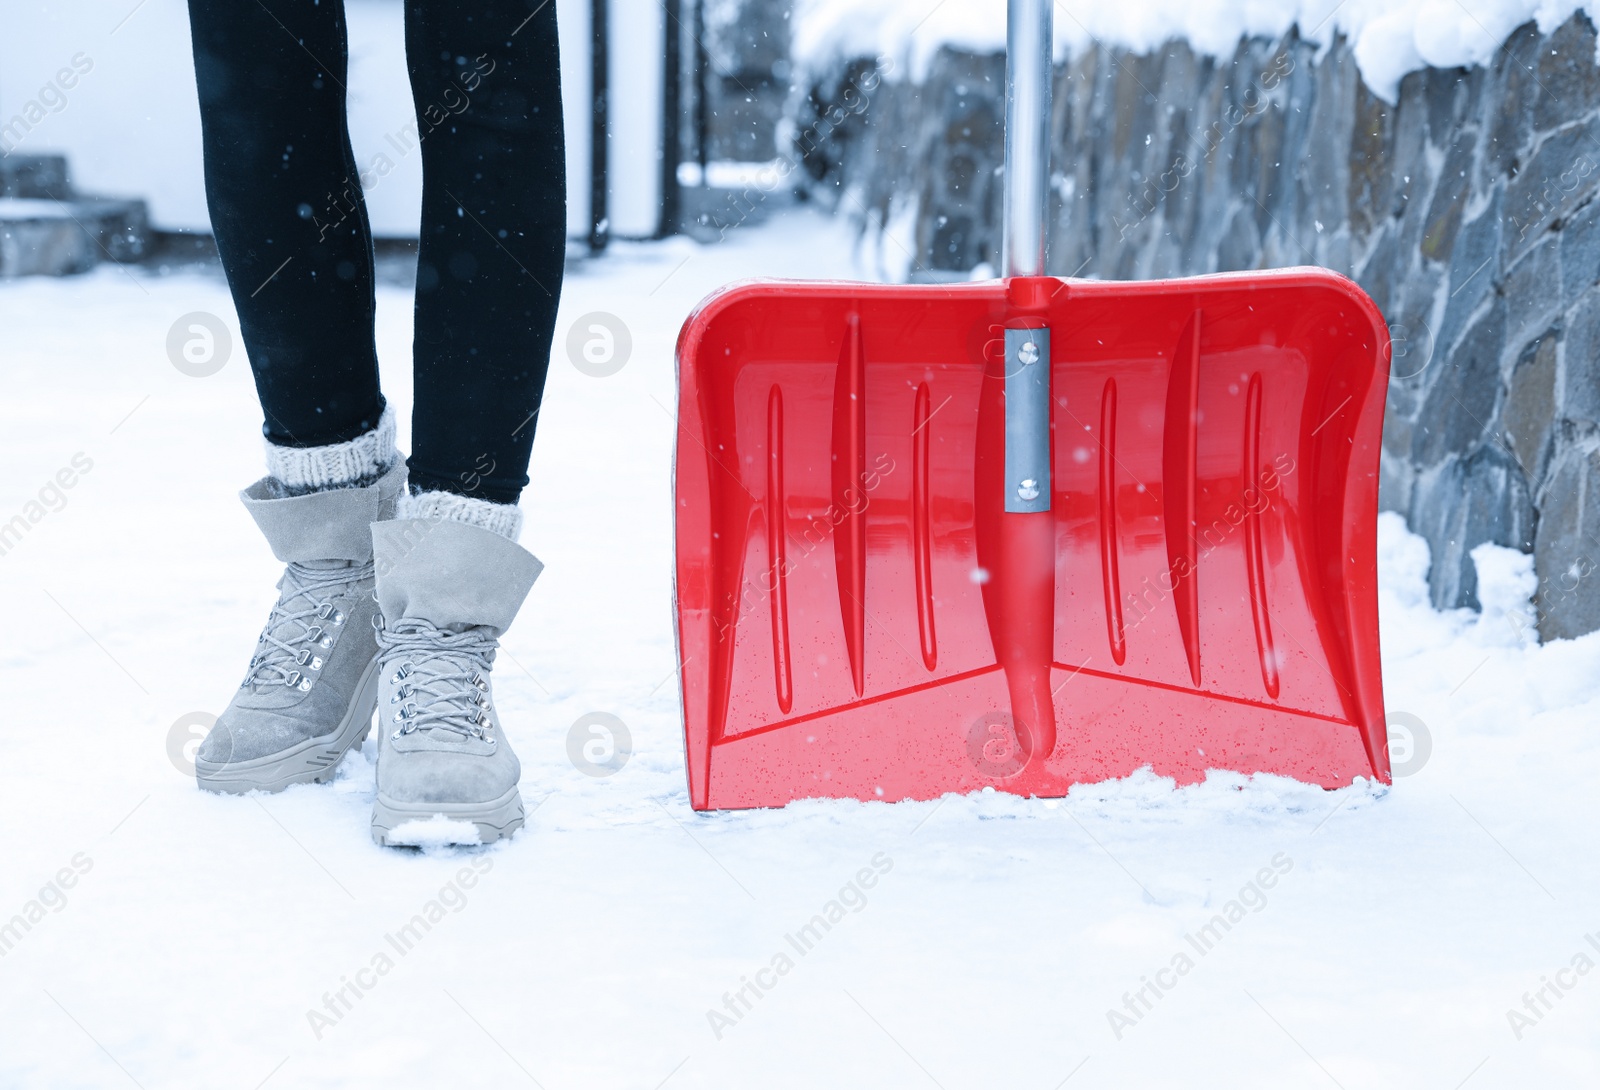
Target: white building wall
131, 127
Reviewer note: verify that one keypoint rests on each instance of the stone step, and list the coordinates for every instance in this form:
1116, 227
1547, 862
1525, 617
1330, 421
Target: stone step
43, 237
35, 176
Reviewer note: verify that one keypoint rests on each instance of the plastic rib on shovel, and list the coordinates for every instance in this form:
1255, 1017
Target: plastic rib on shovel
1028, 533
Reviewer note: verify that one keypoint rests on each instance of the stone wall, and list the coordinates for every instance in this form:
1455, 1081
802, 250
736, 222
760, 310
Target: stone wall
1467, 211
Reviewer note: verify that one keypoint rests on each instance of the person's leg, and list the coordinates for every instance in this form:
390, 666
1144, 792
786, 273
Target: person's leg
485, 78
286, 209
287, 212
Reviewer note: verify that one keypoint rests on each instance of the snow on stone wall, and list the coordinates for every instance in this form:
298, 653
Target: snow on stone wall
1465, 207
1389, 37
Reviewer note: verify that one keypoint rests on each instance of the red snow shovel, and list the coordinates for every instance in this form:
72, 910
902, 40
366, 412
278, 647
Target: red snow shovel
1028, 533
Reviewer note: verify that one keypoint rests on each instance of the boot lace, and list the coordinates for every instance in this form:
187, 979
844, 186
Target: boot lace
298, 633
441, 677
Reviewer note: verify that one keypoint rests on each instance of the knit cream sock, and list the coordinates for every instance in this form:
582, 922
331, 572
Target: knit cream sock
504, 519
298, 470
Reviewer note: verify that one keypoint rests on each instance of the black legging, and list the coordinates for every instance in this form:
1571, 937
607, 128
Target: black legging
291, 225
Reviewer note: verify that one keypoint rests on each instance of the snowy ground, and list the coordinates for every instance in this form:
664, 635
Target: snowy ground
197, 933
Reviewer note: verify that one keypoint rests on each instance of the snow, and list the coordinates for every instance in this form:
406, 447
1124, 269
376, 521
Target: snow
437, 832
1391, 37
13, 209
1379, 937
735, 174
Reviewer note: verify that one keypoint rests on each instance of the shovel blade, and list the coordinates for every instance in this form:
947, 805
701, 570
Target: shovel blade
859, 616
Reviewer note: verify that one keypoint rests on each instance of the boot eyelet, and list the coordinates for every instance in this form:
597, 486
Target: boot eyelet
325, 610
303, 657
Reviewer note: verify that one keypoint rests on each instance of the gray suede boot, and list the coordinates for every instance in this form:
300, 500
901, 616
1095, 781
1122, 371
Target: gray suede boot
447, 591
309, 692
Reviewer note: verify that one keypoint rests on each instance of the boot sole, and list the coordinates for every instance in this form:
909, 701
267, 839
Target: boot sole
493, 819
313, 761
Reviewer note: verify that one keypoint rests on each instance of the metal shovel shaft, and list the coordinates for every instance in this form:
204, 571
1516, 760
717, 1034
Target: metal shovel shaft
1027, 169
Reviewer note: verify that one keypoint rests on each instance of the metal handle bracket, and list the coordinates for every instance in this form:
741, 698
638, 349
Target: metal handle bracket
1027, 420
